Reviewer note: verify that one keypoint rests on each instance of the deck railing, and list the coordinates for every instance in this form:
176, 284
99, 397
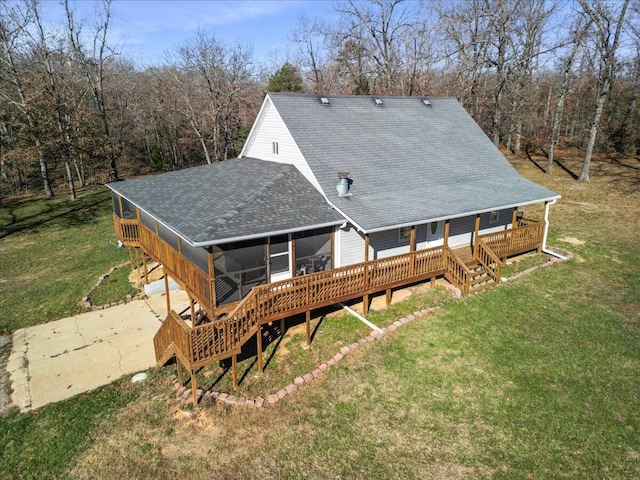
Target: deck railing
527, 236
188, 273
174, 331
127, 231
222, 338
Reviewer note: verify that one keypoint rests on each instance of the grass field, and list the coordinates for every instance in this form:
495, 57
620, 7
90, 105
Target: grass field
52, 252
538, 378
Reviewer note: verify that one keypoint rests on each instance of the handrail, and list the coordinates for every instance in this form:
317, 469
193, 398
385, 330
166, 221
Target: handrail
517, 240
488, 259
273, 300
457, 271
174, 330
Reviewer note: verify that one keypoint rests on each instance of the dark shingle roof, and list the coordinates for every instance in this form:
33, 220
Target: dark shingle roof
409, 162
239, 198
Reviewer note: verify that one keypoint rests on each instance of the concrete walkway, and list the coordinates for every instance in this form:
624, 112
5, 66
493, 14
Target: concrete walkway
57, 360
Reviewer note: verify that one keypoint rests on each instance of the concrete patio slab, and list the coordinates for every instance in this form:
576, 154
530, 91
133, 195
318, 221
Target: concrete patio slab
57, 360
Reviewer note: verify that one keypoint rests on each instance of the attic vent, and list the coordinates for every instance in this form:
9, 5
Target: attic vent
378, 102
426, 102
325, 101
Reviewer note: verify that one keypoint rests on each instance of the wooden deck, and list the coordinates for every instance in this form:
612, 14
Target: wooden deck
196, 346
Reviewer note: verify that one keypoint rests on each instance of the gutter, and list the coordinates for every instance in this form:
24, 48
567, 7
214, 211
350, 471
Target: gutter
546, 231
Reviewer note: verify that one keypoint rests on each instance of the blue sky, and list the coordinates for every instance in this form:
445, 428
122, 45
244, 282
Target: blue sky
145, 30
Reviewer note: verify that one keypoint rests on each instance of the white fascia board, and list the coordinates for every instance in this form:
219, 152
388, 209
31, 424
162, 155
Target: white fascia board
465, 214
264, 235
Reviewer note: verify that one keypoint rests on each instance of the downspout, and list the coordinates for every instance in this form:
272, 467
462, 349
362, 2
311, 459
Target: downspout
546, 231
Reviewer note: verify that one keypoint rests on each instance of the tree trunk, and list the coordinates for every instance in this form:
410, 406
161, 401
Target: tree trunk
72, 188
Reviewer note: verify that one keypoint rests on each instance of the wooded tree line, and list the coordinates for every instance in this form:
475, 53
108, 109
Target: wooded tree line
535, 74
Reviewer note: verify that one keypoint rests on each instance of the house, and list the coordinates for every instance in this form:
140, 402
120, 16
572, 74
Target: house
332, 198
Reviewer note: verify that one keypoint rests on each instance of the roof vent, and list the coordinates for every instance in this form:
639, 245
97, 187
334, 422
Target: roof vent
325, 101
343, 185
426, 102
378, 102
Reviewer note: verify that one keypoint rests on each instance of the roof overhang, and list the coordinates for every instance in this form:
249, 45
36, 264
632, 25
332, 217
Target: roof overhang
462, 215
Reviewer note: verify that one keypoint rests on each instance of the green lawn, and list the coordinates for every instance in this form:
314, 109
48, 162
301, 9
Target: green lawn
538, 378
52, 252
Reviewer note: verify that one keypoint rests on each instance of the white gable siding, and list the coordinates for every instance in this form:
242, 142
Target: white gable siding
351, 245
270, 128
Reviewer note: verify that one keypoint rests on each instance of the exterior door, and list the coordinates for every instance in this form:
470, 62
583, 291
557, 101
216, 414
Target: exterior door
279, 258
435, 233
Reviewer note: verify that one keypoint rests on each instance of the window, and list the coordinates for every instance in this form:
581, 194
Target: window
404, 234
494, 217
274, 148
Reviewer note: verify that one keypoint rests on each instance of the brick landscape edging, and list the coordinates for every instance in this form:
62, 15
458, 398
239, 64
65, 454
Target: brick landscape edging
298, 382
86, 300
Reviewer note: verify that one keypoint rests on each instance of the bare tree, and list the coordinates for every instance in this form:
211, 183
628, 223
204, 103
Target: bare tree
609, 25
93, 65
577, 37
14, 24
44, 55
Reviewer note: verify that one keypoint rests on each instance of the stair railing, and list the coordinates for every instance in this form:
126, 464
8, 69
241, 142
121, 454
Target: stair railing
489, 260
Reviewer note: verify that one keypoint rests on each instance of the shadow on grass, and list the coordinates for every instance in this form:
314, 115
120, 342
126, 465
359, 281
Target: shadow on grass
39, 212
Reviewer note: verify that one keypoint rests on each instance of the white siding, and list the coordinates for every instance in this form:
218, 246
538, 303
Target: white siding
385, 244
269, 128
351, 245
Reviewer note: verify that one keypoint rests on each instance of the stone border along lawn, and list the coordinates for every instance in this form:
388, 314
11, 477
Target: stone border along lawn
185, 395
86, 300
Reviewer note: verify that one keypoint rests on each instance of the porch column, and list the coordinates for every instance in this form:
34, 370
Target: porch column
212, 277
514, 224
445, 240
475, 235
366, 247
412, 249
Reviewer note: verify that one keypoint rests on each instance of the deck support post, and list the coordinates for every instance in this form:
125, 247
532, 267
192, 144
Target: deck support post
308, 327
131, 262
259, 348
433, 282
365, 304
137, 264
194, 322
388, 297
179, 370
144, 266
166, 291
234, 370
281, 325
194, 388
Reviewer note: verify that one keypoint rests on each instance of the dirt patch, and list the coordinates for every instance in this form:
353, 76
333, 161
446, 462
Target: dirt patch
572, 240
5, 389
